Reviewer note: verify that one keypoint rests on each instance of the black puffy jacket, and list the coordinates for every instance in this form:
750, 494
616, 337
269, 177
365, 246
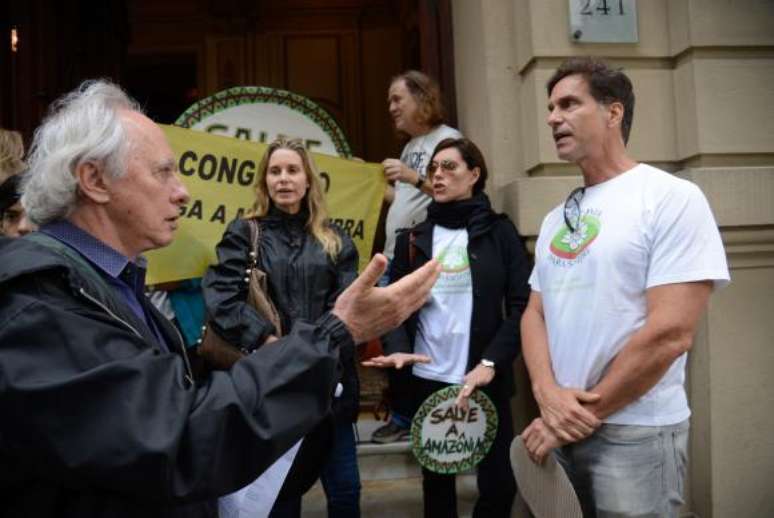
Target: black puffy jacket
98, 421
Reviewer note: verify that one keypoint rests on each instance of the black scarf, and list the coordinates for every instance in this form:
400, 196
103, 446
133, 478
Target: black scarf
474, 213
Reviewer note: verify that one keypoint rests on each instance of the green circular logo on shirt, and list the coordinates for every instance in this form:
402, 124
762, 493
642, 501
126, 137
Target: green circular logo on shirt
568, 245
446, 439
454, 259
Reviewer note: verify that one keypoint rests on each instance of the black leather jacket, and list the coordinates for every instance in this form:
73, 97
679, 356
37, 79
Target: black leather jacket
98, 421
303, 284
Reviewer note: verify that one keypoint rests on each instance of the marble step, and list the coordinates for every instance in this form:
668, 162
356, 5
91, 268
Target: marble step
383, 461
387, 461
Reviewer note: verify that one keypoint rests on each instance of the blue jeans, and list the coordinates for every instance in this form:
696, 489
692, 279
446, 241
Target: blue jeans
340, 478
629, 471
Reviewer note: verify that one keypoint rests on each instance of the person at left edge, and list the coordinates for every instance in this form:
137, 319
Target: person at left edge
100, 414
13, 222
308, 261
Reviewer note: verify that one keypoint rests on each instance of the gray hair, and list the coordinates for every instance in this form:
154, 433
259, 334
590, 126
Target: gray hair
82, 126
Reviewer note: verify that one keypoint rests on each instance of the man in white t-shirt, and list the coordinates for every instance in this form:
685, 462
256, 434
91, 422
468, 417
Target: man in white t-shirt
416, 109
623, 272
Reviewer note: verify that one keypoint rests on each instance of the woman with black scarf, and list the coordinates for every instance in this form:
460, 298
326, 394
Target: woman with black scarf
468, 332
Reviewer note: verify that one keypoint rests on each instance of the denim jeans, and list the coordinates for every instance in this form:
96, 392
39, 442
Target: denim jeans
629, 471
340, 478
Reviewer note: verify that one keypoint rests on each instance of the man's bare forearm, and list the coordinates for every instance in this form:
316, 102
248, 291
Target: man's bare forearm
673, 314
534, 338
635, 370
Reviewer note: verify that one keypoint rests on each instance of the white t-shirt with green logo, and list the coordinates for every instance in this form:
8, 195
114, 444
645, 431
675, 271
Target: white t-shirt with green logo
640, 229
443, 332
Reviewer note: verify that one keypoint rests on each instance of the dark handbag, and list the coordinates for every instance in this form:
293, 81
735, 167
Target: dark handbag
220, 354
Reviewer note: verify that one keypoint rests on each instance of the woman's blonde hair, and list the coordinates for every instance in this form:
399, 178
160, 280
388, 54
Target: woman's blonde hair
11, 153
314, 199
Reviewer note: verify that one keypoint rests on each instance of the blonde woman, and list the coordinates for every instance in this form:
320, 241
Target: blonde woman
308, 262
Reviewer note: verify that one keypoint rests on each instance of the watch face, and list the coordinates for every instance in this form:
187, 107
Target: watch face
487, 363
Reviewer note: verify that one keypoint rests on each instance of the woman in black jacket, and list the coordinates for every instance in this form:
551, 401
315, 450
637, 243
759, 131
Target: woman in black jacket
469, 329
308, 262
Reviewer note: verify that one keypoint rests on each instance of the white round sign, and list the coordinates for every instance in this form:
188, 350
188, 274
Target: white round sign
259, 114
447, 439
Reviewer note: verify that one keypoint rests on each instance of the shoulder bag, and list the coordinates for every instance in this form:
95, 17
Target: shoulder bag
220, 354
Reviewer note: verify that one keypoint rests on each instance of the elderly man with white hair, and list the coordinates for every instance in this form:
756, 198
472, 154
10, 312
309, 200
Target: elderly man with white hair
100, 412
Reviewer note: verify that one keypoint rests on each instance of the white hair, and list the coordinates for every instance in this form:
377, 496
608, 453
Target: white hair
82, 126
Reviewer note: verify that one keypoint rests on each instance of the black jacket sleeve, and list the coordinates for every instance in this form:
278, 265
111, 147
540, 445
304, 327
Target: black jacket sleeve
397, 340
346, 272
88, 403
506, 344
225, 291
346, 267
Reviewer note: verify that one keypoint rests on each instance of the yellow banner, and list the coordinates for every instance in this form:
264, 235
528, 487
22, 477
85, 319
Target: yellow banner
220, 172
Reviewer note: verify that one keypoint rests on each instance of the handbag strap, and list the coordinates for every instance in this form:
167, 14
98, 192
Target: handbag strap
255, 239
412, 248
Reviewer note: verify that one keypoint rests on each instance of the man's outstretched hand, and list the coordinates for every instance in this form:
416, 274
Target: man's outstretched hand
368, 311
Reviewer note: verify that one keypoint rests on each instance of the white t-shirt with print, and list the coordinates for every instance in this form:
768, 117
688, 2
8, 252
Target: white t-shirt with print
443, 332
640, 229
409, 207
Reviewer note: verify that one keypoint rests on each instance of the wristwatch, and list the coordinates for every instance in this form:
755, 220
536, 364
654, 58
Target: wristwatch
420, 182
487, 363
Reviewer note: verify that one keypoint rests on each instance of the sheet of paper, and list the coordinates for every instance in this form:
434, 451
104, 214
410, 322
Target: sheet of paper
256, 499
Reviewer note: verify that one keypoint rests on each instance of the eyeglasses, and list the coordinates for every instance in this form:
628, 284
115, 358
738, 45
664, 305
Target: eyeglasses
572, 209
446, 166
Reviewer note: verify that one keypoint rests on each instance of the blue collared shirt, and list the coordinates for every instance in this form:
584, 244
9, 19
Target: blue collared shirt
127, 277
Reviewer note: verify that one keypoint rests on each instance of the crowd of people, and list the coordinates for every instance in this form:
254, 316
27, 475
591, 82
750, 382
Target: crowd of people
107, 416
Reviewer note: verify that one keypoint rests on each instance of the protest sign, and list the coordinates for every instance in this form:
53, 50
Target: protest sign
260, 113
447, 439
220, 173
